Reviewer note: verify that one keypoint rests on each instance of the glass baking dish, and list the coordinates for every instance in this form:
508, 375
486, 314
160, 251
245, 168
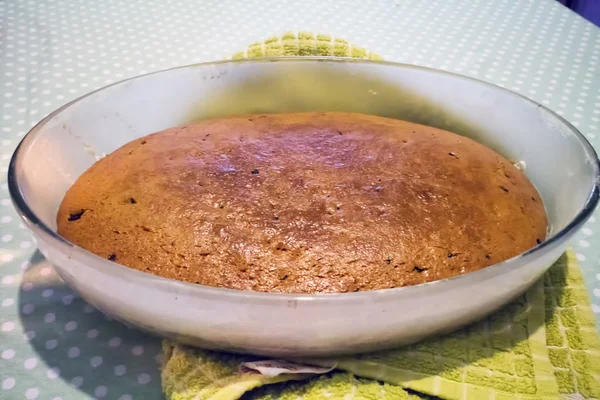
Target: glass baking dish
557, 159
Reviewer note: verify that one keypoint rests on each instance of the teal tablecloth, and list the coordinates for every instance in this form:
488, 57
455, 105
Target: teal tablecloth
55, 346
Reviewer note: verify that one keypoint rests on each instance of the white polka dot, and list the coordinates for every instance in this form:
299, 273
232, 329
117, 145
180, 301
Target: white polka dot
96, 361
597, 292
51, 344
7, 238
596, 308
47, 293
49, 318
92, 333
158, 358
32, 393
8, 383
120, 370
584, 243
57, 398
587, 231
88, 309
143, 379
30, 363
77, 381
137, 350
70, 326
25, 244
45, 271
126, 397
580, 257
6, 219
73, 352
8, 326
67, 299
28, 309
101, 391
29, 335
8, 354
8, 302
114, 342
6, 258
8, 279
53, 373
27, 286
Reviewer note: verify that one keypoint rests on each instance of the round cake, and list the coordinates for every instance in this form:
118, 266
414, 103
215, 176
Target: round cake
304, 203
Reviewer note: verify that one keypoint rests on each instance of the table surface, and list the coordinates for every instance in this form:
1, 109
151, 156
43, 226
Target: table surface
55, 346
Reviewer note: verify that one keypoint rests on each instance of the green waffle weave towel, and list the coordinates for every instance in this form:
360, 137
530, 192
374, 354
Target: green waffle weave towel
304, 44
544, 345
541, 346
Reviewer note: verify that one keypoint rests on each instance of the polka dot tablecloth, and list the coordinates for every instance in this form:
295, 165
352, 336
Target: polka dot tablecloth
55, 346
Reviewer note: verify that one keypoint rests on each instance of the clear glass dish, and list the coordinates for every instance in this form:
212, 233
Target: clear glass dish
558, 160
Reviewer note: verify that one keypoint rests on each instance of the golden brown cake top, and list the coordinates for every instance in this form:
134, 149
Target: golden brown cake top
304, 203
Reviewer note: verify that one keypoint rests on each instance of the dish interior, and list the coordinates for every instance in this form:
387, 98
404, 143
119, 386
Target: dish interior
559, 162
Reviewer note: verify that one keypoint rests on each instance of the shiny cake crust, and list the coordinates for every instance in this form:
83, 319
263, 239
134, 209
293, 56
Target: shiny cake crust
304, 203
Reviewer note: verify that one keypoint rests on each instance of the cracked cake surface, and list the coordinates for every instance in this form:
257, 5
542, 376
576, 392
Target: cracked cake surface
304, 203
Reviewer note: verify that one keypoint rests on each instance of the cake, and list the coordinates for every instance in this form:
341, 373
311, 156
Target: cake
304, 203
